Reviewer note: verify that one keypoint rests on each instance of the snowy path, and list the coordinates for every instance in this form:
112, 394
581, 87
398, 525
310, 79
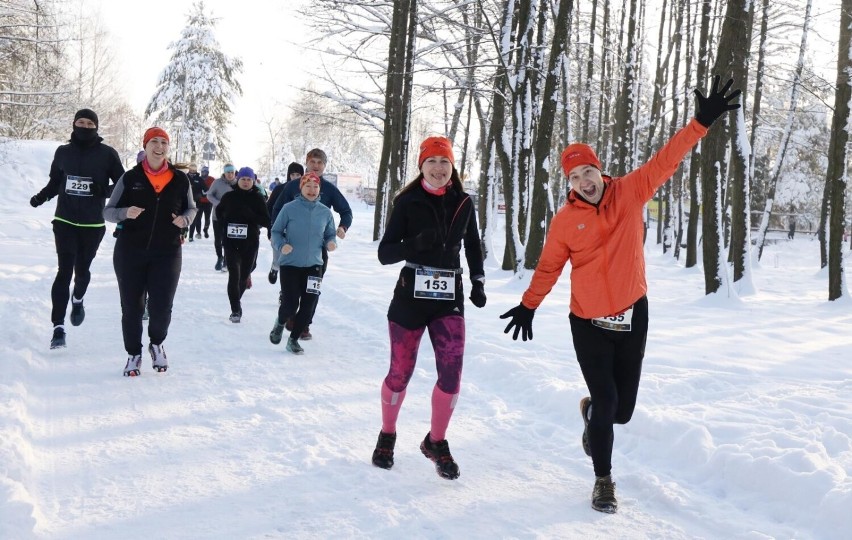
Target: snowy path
742, 430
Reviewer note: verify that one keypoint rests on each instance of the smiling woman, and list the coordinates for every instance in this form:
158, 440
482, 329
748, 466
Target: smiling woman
154, 203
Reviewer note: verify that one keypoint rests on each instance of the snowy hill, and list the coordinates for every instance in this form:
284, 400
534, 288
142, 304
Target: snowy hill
743, 427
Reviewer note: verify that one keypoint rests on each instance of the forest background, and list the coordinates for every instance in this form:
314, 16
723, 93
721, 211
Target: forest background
511, 83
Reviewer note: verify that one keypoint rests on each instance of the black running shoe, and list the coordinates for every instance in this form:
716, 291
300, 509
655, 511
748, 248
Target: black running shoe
219, 263
603, 496
585, 403
58, 339
383, 454
439, 453
78, 313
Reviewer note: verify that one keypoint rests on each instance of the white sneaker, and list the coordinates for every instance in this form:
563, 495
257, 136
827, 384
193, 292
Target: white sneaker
158, 357
134, 362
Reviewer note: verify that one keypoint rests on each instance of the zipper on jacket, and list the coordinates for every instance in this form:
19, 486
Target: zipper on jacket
154, 223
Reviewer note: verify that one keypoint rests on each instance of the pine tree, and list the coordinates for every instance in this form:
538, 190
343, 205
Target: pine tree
196, 89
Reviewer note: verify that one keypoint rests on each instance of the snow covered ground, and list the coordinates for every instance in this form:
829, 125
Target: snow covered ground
743, 428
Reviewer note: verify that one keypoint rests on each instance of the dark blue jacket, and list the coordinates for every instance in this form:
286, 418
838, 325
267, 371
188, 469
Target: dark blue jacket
330, 196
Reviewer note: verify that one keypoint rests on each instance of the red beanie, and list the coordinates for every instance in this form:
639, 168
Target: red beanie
155, 131
578, 154
436, 146
308, 177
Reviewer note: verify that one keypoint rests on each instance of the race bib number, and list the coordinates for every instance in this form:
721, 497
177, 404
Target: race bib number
238, 231
618, 323
78, 186
434, 283
314, 283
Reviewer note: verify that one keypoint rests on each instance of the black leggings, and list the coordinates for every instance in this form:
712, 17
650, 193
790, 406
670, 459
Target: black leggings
76, 248
240, 256
204, 209
611, 363
139, 270
296, 302
218, 234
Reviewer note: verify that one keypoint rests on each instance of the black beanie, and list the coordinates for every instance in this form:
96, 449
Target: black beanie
87, 113
294, 167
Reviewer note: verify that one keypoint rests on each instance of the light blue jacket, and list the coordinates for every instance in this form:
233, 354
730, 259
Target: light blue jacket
307, 226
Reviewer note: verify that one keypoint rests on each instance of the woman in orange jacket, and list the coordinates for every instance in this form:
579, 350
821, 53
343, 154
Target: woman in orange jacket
600, 231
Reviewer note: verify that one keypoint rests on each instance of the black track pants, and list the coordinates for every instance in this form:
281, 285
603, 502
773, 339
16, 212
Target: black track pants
611, 363
76, 248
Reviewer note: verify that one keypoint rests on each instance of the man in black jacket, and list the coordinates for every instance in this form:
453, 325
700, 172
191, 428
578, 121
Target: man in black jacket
80, 180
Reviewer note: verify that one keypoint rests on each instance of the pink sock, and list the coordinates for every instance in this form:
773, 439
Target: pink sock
442, 409
391, 404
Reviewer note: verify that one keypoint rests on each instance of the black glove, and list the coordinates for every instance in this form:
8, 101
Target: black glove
709, 109
97, 190
522, 317
37, 200
425, 240
477, 293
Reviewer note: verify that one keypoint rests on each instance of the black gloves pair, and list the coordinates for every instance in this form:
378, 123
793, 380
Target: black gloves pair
708, 109
522, 317
37, 200
477, 293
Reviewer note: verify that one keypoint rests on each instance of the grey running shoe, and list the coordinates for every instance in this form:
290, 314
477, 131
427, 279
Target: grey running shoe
603, 496
134, 362
277, 331
158, 357
585, 405
294, 347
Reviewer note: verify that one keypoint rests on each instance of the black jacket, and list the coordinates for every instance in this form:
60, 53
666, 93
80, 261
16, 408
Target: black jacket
80, 179
153, 229
453, 217
243, 206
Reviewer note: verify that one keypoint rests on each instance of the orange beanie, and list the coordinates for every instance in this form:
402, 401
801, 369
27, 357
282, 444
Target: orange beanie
308, 177
436, 146
578, 154
152, 132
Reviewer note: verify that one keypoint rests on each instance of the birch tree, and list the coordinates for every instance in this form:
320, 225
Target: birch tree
786, 134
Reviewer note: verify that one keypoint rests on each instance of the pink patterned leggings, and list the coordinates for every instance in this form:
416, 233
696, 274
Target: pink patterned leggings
447, 336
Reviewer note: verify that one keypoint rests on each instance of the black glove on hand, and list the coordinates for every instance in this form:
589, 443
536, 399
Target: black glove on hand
709, 109
522, 317
97, 190
37, 200
425, 240
477, 293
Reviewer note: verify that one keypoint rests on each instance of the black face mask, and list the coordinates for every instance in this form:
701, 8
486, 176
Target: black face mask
84, 135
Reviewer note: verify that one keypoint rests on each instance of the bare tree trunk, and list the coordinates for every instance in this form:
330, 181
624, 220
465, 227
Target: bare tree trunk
740, 177
835, 181
713, 163
623, 136
544, 135
696, 160
397, 111
590, 66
